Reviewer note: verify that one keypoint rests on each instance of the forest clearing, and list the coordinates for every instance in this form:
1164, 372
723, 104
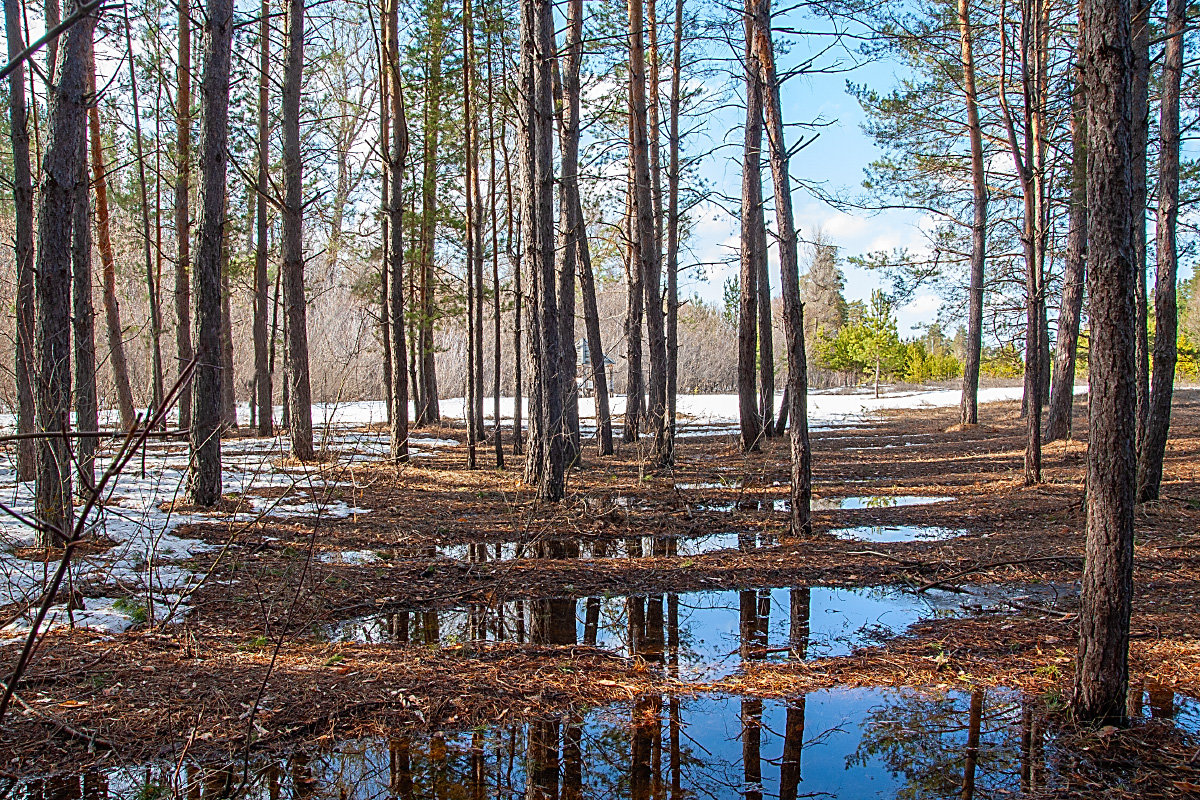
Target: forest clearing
652, 631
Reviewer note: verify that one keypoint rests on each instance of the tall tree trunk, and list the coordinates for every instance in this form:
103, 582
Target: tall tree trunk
152, 294
397, 159
204, 471
766, 338
1140, 13
228, 385
112, 311
752, 239
1102, 665
545, 460
634, 412
673, 227
294, 302
262, 370
24, 366
1166, 323
516, 258
385, 200
470, 202
646, 247
477, 229
1062, 389
429, 412
970, 385
789, 275
183, 157
62, 170
83, 326
497, 442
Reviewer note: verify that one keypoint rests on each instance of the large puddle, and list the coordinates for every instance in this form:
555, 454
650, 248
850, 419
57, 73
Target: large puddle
888, 534
864, 742
696, 636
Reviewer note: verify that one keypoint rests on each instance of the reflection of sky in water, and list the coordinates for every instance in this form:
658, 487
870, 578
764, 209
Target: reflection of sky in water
885, 534
711, 626
835, 743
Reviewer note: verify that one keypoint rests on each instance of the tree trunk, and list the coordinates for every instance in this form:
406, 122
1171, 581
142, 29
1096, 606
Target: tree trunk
497, 442
294, 302
1166, 323
1140, 31
112, 311
545, 460
789, 275
647, 248
473, 406
228, 385
264, 396
634, 411
570, 225
83, 325
429, 412
62, 170
752, 239
515, 256
1062, 389
152, 293
673, 229
183, 156
204, 472
970, 385
1102, 665
397, 159
24, 366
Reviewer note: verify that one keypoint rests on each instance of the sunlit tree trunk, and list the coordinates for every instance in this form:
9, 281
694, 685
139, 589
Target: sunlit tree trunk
397, 158
1140, 14
83, 325
204, 470
183, 232
262, 371
1166, 323
673, 229
753, 239
979, 200
1102, 665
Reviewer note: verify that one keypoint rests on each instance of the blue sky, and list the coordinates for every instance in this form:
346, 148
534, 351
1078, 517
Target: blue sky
836, 161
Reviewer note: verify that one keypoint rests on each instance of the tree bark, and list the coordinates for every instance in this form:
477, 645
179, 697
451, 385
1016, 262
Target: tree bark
1102, 669
429, 412
183, 156
979, 198
571, 226
204, 471
62, 170
647, 248
264, 396
634, 313
545, 460
497, 441
753, 238
294, 302
1166, 323
789, 272
112, 310
1140, 31
24, 366
1062, 388
83, 325
228, 379
673, 228
397, 159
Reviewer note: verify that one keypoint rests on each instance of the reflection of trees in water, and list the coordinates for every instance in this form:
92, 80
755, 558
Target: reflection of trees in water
975, 746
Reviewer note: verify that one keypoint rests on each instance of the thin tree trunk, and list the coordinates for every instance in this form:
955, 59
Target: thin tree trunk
1062, 388
228, 385
516, 258
385, 200
183, 156
24, 367
156, 370
83, 325
647, 249
429, 412
1166, 323
1102, 665
470, 201
789, 272
398, 157
752, 239
294, 302
633, 322
204, 471
262, 369
970, 385
496, 310
112, 311
766, 338
673, 228
1140, 14
62, 170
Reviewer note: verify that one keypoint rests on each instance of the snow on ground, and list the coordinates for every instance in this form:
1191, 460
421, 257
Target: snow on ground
144, 563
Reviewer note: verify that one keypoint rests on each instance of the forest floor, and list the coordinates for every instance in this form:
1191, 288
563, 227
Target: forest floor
435, 598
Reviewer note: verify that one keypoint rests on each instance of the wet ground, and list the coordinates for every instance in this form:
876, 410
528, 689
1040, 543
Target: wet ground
656, 635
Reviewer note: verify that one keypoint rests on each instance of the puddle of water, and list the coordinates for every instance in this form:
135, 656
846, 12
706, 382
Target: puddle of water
874, 501
628, 547
886, 534
864, 742
695, 635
